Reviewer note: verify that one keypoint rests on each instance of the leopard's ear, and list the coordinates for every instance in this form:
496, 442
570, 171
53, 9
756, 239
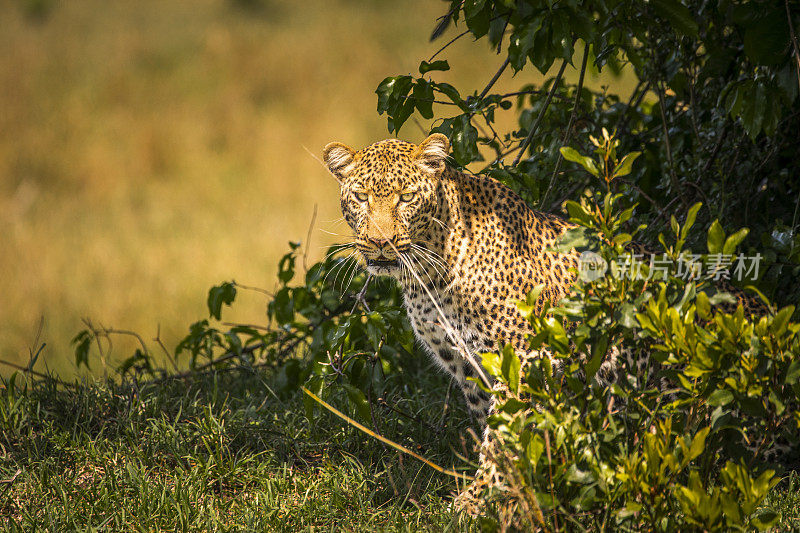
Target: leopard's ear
432, 152
339, 159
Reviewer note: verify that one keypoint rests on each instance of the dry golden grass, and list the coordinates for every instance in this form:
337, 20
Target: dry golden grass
151, 149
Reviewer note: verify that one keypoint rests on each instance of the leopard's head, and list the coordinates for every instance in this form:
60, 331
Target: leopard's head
388, 195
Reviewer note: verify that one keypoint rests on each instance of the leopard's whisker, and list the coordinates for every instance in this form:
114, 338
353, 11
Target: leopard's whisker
432, 283
338, 267
442, 224
431, 258
353, 273
437, 270
449, 329
335, 271
331, 233
336, 248
346, 276
438, 266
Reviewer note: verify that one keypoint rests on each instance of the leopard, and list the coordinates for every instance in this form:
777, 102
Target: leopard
464, 248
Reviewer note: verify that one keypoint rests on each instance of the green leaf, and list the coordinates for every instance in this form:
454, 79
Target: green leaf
781, 320
221, 294
283, 306
390, 89
753, 113
426, 67
491, 362
423, 98
522, 42
766, 38
400, 115
677, 15
734, 240
691, 216
510, 368
624, 167
451, 92
478, 23
464, 140
599, 350
359, 401
573, 238
570, 154
703, 306
627, 315
720, 397
473, 7
698, 443
765, 519
716, 238
82, 342
793, 373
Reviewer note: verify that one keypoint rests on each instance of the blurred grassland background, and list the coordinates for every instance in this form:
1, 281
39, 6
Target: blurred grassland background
151, 149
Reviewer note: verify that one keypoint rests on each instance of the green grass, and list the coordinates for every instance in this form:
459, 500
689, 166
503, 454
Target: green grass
220, 451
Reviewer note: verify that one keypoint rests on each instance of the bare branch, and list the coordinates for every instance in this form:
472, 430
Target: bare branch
494, 79
451, 41
673, 178
571, 121
535, 125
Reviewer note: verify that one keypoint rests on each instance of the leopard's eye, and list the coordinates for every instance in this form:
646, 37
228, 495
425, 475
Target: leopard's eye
361, 196
407, 196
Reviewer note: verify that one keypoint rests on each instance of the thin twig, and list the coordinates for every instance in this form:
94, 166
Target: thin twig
692, 107
36, 373
239, 324
640, 191
664, 211
361, 294
716, 149
633, 102
794, 41
226, 357
494, 79
169, 356
308, 238
451, 41
673, 178
418, 419
571, 121
383, 439
255, 289
567, 195
539, 118
457, 37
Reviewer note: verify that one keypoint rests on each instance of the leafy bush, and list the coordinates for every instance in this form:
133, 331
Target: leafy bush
715, 110
329, 324
690, 430
631, 455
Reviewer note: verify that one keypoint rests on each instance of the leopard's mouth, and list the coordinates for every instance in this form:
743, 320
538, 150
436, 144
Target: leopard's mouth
383, 263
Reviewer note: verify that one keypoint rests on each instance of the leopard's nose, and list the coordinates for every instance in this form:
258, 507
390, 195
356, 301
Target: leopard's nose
379, 243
